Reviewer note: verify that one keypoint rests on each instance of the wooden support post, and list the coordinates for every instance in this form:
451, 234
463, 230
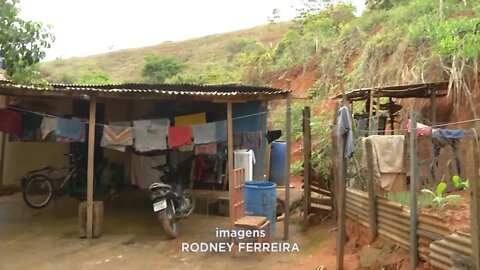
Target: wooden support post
307, 145
372, 202
231, 188
475, 203
3, 104
288, 136
413, 192
392, 120
433, 107
90, 165
370, 114
341, 200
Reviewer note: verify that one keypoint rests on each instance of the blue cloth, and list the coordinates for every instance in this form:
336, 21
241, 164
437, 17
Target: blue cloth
344, 128
70, 128
451, 133
221, 131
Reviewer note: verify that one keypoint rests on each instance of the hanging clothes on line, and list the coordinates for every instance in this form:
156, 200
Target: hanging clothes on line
204, 133
70, 129
117, 136
49, 124
237, 139
422, 130
251, 140
206, 149
149, 123
442, 137
344, 128
10, 121
191, 119
149, 139
142, 174
220, 131
179, 136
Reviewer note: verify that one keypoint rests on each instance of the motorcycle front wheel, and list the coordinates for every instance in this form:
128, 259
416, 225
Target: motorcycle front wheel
169, 222
189, 203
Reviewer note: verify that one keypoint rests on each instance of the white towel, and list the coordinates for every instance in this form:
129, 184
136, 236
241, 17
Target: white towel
149, 139
204, 133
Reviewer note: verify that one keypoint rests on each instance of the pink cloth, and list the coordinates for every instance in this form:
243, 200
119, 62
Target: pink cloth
206, 149
179, 136
422, 130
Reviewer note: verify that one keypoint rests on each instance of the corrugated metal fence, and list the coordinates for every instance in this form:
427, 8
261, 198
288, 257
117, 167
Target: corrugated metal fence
435, 244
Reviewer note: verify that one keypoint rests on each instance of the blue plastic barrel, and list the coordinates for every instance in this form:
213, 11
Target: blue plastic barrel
261, 200
277, 163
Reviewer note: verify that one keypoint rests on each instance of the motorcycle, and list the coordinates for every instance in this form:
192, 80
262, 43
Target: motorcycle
170, 203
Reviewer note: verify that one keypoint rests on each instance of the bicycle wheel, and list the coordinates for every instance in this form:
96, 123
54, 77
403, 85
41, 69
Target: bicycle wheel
38, 191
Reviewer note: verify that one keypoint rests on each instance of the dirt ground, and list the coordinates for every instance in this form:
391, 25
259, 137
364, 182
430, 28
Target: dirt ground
132, 238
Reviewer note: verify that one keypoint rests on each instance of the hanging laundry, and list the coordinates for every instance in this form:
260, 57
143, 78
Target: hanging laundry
251, 140
31, 126
388, 161
220, 131
344, 128
273, 135
70, 128
187, 148
149, 139
206, 149
191, 119
204, 133
10, 121
422, 130
162, 122
49, 124
179, 136
442, 137
117, 137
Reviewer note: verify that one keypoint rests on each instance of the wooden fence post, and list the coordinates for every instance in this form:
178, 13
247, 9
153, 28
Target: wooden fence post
341, 200
475, 204
413, 191
307, 145
372, 198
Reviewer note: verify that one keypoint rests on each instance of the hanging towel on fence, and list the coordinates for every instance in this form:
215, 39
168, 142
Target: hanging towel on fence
179, 136
117, 136
220, 131
206, 149
149, 139
251, 140
72, 129
10, 121
344, 128
388, 159
273, 135
422, 130
190, 119
49, 124
204, 133
162, 122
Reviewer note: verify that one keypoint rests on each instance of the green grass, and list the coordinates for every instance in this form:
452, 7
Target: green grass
126, 65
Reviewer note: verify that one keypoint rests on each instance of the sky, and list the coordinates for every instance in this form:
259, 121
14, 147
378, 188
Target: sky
86, 27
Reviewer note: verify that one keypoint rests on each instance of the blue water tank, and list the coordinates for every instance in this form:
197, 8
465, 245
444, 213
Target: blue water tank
277, 163
261, 200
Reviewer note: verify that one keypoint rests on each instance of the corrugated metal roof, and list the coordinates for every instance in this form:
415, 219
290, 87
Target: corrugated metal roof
147, 91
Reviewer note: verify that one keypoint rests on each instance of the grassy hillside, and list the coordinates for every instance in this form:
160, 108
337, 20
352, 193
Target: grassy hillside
126, 65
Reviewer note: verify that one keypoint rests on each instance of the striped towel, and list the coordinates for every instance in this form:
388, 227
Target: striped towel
117, 137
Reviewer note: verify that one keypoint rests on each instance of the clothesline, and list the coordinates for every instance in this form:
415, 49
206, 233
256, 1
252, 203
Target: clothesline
103, 124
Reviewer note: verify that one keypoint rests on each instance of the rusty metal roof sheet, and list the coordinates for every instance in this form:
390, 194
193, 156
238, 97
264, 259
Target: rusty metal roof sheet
147, 91
422, 90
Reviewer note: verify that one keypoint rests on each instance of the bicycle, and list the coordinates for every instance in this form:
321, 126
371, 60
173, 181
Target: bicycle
41, 186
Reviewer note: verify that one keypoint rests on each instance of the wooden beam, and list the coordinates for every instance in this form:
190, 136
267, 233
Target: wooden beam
341, 200
231, 188
475, 202
433, 107
288, 137
307, 144
413, 191
3, 104
372, 202
370, 114
90, 165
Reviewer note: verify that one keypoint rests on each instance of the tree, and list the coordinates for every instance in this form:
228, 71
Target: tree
157, 68
95, 78
22, 43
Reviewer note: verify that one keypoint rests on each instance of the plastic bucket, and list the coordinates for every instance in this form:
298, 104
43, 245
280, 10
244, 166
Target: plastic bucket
261, 200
